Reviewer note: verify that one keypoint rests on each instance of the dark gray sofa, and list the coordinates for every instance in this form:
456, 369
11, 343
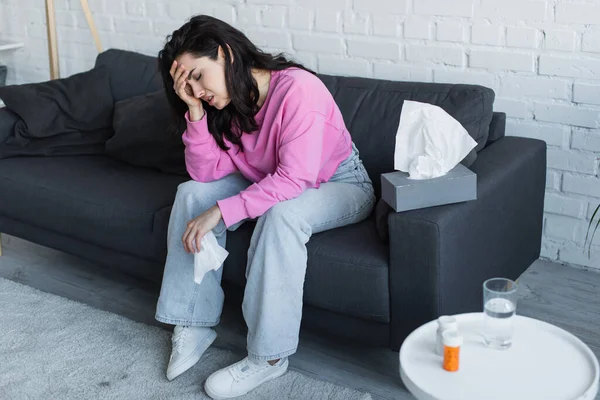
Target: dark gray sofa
360, 284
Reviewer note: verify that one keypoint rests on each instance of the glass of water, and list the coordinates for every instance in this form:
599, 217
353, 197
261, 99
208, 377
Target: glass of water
499, 308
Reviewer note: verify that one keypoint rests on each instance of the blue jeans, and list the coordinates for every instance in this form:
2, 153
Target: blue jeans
277, 256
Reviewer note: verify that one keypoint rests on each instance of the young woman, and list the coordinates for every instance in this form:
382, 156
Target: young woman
264, 141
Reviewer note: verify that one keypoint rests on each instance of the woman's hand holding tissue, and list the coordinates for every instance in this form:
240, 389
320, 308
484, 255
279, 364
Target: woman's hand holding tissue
200, 226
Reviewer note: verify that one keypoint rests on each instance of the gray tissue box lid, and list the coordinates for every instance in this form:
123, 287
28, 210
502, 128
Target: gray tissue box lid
403, 193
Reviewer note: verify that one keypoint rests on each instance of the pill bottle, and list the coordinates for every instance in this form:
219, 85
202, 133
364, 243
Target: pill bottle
452, 340
444, 322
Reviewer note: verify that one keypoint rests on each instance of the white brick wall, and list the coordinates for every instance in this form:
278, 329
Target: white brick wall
542, 58
559, 39
487, 34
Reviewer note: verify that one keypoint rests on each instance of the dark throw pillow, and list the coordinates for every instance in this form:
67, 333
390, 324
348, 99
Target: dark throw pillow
144, 134
68, 116
80, 103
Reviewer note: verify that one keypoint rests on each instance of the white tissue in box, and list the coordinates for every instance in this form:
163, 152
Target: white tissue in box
210, 257
429, 141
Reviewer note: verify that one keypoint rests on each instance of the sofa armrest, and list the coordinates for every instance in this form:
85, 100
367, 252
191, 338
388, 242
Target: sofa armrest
8, 119
440, 256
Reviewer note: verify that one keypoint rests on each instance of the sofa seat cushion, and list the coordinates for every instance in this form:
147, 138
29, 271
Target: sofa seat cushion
92, 198
347, 269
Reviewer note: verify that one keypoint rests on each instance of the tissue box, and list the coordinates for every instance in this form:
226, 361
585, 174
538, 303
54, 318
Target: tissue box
403, 193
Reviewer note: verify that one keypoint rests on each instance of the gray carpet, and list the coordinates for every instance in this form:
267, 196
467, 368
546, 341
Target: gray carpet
55, 348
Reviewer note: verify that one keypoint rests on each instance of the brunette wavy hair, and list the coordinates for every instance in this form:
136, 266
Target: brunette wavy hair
202, 36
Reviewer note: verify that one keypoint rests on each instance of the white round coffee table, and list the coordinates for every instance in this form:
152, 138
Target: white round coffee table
544, 363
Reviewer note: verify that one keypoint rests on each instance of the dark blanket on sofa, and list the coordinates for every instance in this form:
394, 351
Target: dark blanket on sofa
70, 116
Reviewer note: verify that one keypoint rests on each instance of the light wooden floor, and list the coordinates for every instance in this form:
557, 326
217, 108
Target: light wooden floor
561, 295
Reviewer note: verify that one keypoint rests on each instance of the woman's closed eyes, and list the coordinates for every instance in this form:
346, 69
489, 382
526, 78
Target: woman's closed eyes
196, 78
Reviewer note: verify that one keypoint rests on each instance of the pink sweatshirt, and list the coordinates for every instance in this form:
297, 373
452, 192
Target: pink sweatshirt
300, 142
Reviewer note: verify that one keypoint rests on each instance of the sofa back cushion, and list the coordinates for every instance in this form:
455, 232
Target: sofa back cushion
131, 74
144, 135
371, 107
371, 110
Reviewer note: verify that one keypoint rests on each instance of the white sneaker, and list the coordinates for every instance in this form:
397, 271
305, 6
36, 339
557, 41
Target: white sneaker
189, 343
241, 377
